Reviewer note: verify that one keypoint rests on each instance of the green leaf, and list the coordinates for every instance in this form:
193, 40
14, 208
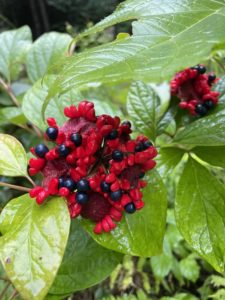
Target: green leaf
33, 243
208, 131
145, 107
13, 158
85, 263
34, 99
213, 155
167, 37
142, 233
45, 51
14, 45
200, 213
161, 265
189, 268
12, 115
168, 159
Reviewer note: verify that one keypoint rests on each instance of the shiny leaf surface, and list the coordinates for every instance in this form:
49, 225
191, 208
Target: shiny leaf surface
13, 158
213, 155
45, 51
14, 45
200, 213
142, 233
32, 243
85, 263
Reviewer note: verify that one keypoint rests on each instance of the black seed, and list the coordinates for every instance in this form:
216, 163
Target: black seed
209, 104
63, 150
201, 69
76, 138
142, 174
139, 148
83, 185
115, 196
211, 77
130, 208
69, 184
112, 135
117, 155
81, 197
105, 187
147, 144
52, 133
61, 182
127, 123
201, 110
41, 150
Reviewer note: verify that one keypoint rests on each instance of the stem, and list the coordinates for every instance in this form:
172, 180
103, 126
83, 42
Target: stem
4, 279
31, 181
4, 291
8, 90
15, 187
14, 294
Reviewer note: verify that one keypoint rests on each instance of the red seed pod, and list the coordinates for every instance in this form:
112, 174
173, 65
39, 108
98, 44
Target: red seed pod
95, 165
194, 89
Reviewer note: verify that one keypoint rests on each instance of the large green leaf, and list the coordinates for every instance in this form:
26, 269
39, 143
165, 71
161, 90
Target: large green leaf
33, 242
208, 131
146, 108
200, 213
142, 233
45, 51
14, 45
34, 99
12, 115
168, 159
85, 263
13, 158
213, 155
167, 37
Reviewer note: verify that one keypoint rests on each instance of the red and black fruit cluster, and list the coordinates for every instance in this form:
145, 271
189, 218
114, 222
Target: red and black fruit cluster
194, 88
94, 164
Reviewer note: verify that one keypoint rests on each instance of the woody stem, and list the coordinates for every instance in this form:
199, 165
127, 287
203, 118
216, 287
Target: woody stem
15, 187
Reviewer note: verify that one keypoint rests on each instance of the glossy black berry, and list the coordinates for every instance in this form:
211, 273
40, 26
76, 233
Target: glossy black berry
117, 155
147, 144
139, 147
105, 187
76, 138
52, 133
115, 196
127, 123
211, 77
201, 110
41, 150
63, 150
201, 69
130, 208
61, 182
83, 185
82, 198
142, 174
112, 135
69, 184
209, 104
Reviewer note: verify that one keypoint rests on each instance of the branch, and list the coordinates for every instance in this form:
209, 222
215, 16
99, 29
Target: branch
15, 187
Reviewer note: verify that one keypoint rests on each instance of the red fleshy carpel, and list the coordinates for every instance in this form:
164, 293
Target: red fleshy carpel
94, 164
194, 88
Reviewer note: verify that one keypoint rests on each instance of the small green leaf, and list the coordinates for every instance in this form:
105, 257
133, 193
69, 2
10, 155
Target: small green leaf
85, 263
208, 131
13, 158
161, 265
45, 51
189, 268
14, 45
12, 115
168, 159
142, 233
212, 155
32, 243
200, 213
